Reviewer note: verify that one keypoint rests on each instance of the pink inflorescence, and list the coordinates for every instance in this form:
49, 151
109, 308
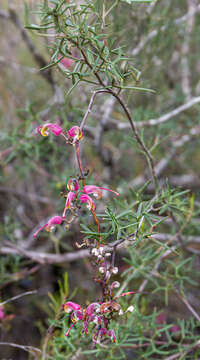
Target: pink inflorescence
90, 315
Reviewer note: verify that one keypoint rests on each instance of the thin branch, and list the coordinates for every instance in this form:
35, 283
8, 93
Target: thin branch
45, 258
183, 355
138, 138
188, 305
185, 50
89, 109
161, 119
18, 296
31, 349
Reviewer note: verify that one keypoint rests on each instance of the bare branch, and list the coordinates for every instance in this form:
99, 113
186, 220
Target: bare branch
31, 349
185, 51
18, 296
45, 258
161, 119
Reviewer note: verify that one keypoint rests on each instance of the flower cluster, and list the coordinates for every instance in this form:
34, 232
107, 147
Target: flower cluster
75, 194
98, 314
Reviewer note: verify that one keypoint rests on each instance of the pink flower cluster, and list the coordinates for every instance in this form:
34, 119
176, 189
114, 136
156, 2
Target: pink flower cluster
74, 134
73, 186
93, 314
98, 314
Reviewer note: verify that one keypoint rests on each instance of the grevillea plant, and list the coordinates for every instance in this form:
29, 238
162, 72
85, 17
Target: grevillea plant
97, 313
85, 52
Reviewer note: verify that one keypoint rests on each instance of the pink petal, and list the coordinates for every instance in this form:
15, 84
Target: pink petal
73, 184
69, 200
87, 199
76, 133
55, 220
54, 128
72, 306
91, 189
91, 308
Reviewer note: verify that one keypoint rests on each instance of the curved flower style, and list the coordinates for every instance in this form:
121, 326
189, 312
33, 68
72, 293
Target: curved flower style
96, 190
90, 203
73, 184
49, 127
69, 201
75, 133
55, 220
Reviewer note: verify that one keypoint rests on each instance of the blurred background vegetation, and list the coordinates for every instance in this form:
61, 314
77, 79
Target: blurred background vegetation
163, 40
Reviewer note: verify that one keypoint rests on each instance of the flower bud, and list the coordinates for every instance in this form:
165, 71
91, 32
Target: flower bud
102, 270
115, 270
130, 308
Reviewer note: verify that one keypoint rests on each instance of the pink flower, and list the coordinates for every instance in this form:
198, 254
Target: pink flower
71, 306
73, 184
49, 127
2, 314
96, 190
66, 62
69, 201
75, 133
91, 308
55, 220
90, 203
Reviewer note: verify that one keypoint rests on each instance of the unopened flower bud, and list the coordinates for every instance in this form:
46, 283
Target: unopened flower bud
95, 252
102, 270
115, 284
101, 250
130, 308
107, 254
115, 270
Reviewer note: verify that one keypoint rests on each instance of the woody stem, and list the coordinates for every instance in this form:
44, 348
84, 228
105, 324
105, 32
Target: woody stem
98, 225
80, 163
